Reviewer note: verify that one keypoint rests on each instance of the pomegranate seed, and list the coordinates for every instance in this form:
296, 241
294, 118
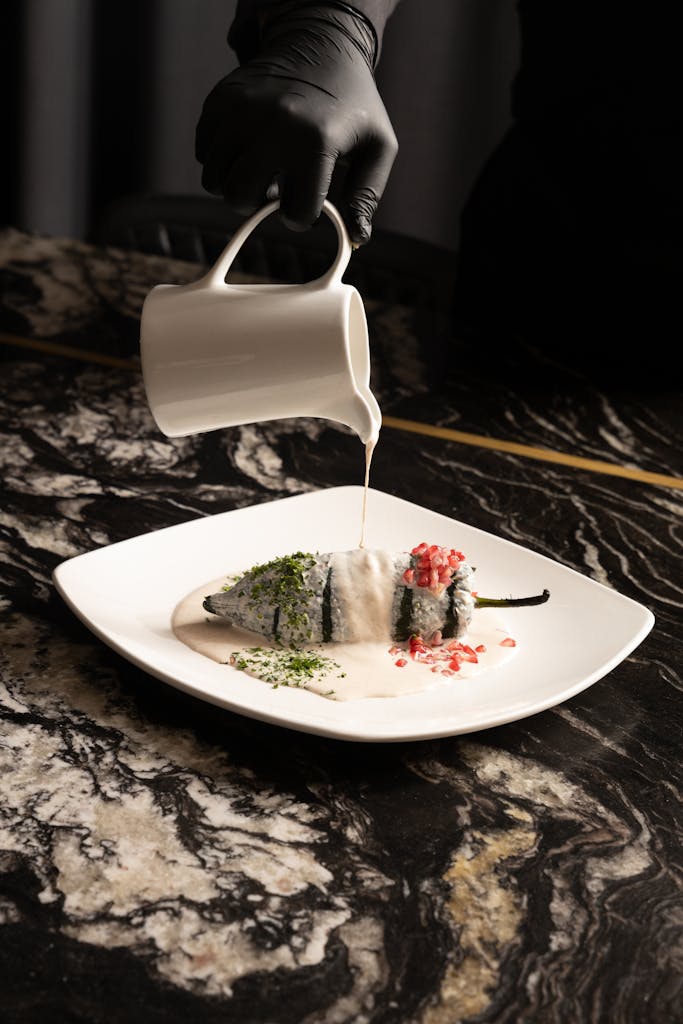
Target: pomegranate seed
481, 649
400, 663
508, 642
433, 567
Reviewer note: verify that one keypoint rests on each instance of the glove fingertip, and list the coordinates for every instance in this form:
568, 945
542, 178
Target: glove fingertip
360, 230
294, 223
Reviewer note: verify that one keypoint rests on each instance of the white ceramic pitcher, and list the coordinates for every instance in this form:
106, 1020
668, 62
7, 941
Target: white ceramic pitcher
216, 354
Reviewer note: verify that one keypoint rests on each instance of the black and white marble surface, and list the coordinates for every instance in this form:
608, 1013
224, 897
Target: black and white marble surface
162, 860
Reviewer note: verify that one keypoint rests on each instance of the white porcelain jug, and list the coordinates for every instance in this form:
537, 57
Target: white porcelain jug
216, 354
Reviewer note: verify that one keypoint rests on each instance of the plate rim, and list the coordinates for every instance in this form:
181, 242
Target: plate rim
345, 732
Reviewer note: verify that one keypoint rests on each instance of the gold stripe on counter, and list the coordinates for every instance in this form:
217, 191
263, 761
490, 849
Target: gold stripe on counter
530, 452
53, 348
393, 422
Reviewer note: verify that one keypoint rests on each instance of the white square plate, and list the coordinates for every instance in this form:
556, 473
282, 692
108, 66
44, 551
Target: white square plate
126, 593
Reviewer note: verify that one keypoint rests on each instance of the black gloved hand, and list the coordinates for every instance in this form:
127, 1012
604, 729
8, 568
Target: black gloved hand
278, 124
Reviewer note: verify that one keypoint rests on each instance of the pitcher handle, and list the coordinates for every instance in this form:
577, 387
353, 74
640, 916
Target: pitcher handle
218, 272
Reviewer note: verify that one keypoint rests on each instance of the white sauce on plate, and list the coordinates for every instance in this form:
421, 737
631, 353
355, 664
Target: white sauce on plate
364, 591
370, 671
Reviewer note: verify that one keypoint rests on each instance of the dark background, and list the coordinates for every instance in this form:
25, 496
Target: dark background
100, 100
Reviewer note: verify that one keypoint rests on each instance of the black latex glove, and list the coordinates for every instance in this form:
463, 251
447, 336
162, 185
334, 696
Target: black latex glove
278, 124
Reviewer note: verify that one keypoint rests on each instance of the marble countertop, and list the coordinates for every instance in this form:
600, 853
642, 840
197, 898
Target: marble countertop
164, 860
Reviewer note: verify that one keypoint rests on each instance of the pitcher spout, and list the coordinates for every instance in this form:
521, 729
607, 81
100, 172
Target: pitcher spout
361, 413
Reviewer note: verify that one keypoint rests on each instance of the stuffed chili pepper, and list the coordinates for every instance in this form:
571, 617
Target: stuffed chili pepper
357, 596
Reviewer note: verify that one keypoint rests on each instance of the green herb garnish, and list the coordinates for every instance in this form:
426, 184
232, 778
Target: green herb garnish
285, 666
232, 580
281, 584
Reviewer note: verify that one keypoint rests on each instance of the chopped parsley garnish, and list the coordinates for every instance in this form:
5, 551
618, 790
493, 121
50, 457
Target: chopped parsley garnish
285, 666
232, 580
279, 589
281, 584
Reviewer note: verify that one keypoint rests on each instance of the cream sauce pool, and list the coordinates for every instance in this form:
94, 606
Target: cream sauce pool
370, 670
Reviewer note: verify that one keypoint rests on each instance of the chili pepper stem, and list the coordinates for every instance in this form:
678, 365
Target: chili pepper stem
511, 602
